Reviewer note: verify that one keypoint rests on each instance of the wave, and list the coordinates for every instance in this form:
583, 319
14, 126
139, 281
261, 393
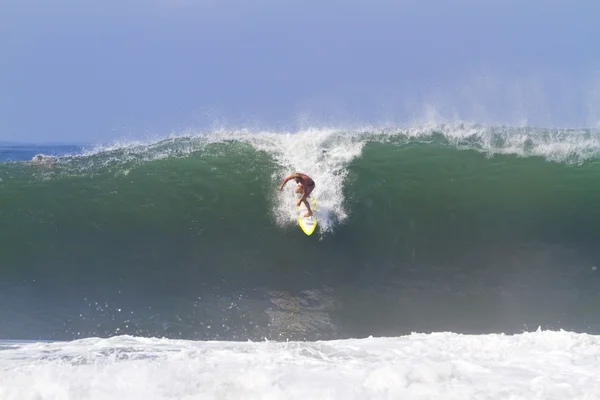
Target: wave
178, 230
326, 153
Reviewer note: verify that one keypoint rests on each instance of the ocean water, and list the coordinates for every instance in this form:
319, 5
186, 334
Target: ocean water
450, 261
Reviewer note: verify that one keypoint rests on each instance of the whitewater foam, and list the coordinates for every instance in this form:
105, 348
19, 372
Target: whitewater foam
303, 147
323, 155
541, 365
558, 145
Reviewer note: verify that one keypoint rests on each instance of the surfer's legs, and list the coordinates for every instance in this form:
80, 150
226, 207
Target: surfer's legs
309, 213
304, 198
309, 190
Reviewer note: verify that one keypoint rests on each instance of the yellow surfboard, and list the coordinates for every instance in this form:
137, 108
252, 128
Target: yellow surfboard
307, 224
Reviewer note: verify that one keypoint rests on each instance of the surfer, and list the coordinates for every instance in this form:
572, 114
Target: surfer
305, 186
43, 161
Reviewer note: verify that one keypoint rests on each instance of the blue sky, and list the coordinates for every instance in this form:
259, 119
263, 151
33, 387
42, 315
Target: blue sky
89, 72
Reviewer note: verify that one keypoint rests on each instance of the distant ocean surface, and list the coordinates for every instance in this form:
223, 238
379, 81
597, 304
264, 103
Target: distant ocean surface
155, 269
11, 152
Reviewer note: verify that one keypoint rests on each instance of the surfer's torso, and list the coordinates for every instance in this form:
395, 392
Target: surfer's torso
304, 179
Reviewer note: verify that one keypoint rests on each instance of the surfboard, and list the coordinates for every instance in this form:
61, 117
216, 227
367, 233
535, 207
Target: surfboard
307, 224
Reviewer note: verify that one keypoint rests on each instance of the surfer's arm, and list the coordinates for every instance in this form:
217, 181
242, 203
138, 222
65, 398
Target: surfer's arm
286, 180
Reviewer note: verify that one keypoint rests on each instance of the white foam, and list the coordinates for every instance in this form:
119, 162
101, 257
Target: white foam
323, 155
302, 147
536, 365
557, 145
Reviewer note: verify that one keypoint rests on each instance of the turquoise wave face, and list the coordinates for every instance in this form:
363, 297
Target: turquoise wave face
178, 219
